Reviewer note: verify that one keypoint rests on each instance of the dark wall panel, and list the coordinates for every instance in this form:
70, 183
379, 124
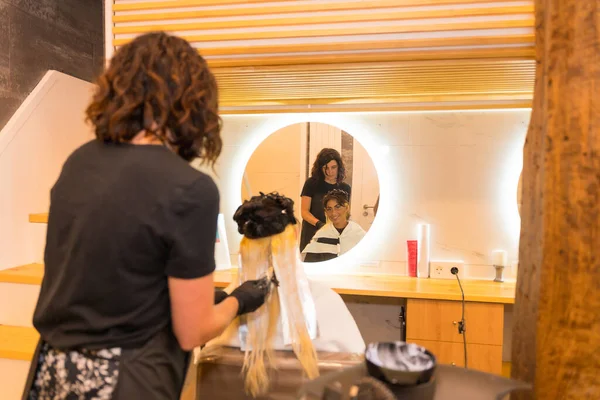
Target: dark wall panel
38, 35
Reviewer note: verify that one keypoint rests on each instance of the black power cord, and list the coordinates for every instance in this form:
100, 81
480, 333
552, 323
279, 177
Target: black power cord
462, 325
401, 324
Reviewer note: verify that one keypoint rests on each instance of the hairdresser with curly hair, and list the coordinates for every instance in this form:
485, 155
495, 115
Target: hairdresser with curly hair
328, 173
128, 287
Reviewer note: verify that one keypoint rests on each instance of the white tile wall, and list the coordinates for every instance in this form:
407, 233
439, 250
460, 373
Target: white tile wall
457, 171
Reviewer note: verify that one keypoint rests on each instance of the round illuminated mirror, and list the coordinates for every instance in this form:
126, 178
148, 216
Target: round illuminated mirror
331, 179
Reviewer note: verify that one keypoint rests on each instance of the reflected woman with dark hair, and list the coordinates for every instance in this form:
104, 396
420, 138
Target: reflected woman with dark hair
338, 235
328, 173
128, 288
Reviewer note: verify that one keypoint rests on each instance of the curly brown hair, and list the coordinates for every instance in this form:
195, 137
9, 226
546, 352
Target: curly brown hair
325, 156
159, 83
339, 195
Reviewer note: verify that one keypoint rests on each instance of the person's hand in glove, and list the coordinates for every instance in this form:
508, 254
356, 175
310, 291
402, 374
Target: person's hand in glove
220, 295
251, 295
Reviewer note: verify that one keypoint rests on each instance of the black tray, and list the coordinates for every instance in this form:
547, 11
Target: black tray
451, 383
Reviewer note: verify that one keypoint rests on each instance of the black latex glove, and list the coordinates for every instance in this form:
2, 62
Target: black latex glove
251, 295
220, 295
319, 224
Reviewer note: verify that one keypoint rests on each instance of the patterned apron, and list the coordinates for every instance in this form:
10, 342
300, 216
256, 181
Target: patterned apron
155, 371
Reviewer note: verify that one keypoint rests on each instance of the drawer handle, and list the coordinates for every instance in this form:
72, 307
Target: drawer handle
454, 322
453, 364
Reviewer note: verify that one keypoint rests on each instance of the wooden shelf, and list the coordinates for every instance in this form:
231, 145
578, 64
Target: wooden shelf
30, 274
17, 342
38, 218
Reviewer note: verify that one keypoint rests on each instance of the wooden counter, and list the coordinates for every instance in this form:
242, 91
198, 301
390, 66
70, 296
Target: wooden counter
29, 274
406, 287
433, 307
358, 285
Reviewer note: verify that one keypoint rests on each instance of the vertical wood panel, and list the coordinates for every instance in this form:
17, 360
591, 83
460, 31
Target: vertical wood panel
530, 245
556, 342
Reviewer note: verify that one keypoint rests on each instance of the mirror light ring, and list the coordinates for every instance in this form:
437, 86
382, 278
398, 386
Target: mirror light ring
366, 249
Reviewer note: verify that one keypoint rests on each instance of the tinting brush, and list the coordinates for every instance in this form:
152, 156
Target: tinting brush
269, 279
274, 278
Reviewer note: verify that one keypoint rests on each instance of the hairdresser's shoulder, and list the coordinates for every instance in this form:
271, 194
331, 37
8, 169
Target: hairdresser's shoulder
193, 186
83, 149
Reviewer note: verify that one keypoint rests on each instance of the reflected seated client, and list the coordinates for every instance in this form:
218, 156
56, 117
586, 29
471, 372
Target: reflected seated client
338, 235
299, 316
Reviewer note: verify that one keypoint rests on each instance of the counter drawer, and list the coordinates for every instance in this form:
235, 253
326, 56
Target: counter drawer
481, 357
437, 320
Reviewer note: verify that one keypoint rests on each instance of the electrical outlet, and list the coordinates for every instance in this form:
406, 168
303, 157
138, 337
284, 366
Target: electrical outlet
441, 269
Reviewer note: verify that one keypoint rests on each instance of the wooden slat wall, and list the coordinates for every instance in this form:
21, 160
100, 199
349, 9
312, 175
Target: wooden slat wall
299, 55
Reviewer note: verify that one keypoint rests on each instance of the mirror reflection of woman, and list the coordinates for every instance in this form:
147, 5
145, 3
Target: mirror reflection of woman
328, 173
339, 235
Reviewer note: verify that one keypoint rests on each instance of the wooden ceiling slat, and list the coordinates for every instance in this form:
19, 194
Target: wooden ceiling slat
344, 30
174, 4
483, 105
328, 19
359, 72
279, 9
389, 66
159, 5
367, 73
323, 85
410, 98
375, 78
368, 91
316, 80
526, 53
256, 92
370, 45
304, 95
342, 97
368, 76
375, 82
231, 88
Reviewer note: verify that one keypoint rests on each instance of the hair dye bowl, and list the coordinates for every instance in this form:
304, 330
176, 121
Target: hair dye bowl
406, 368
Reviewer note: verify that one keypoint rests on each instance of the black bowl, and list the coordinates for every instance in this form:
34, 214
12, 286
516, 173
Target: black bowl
400, 363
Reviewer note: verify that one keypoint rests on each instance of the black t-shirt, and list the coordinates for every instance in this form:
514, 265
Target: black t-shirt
316, 189
123, 218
